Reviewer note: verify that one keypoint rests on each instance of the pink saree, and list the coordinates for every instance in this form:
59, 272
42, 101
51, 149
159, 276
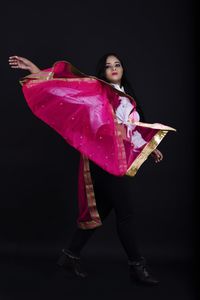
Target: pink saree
81, 108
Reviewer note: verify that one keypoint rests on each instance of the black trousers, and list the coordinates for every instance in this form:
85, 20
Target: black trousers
111, 192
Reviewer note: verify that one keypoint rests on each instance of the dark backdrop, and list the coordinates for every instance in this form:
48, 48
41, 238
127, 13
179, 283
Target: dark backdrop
39, 170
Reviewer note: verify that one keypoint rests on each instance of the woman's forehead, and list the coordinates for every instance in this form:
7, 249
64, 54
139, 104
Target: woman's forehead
112, 59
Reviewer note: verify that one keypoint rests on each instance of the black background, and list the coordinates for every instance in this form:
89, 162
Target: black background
39, 170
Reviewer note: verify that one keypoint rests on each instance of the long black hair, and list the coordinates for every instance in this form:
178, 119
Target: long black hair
100, 73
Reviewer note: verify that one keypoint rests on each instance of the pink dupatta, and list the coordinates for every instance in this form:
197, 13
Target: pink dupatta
81, 108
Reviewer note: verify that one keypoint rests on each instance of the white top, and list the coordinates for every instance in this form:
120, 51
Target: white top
122, 114
125, 107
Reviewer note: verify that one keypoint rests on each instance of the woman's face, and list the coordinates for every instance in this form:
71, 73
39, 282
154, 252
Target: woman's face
113, 70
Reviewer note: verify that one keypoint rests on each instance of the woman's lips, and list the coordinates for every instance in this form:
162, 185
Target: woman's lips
114, 73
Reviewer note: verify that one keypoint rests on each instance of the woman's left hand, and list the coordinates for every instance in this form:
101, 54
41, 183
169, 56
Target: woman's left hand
157, 155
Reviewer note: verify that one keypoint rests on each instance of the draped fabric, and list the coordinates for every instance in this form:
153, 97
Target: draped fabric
81, 108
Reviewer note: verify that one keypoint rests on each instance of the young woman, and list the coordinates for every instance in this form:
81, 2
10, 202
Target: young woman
106, 186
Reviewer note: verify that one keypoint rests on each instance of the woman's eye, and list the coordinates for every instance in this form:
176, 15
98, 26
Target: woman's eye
117, 65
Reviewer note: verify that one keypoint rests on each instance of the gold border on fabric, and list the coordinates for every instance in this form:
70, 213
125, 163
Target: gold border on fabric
151, 146
96, 220
43, 75
75, 71
43, 78
119, 133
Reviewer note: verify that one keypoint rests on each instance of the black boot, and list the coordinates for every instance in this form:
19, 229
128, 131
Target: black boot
71, 262
139, 274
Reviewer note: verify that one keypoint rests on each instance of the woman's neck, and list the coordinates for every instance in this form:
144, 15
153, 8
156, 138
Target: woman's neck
116, 83
118, 86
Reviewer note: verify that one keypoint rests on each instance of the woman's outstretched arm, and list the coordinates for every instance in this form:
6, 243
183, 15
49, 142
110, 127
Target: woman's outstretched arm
18, 62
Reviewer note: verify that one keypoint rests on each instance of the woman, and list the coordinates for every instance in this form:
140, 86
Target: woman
110, 69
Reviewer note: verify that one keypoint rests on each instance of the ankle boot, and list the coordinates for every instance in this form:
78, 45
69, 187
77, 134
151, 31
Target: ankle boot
139, 274
71, 262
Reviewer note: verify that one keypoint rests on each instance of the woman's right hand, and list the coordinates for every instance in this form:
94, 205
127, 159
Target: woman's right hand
22, 63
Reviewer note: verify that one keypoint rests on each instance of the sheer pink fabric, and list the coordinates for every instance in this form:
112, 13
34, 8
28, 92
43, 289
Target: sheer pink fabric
81, 108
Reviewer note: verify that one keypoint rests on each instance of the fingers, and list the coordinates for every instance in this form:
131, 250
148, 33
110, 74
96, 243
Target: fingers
14, 57
14, 64
15, 67
158, 157
157, 160
13, 60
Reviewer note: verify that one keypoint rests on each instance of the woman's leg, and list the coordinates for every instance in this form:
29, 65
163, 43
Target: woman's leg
108, 190
104, 206
126, 232
126, 225
125, 220
79, 239
114, 192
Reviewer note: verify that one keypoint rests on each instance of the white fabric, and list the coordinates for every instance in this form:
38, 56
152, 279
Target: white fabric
125, 107
122, 114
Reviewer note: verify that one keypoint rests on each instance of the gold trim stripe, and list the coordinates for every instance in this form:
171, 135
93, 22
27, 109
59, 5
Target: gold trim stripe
96, 220
120, 146
151, 146
75, 71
